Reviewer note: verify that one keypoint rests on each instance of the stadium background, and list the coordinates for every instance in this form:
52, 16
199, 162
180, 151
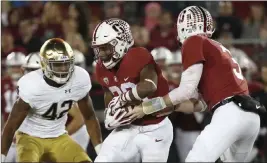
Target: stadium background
240, 25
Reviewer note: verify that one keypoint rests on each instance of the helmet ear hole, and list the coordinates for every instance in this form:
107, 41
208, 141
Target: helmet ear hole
182, 29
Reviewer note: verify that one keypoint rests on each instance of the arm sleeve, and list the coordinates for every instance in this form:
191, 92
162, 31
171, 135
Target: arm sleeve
192, 51
24, 91
188, 86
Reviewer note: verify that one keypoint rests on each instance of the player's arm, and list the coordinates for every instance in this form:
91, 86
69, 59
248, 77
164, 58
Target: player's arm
77, 120
193, 60
19, 111
146, 86
186, 91
91, 121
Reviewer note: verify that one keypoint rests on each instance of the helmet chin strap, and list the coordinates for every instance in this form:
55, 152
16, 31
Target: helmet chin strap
110, 64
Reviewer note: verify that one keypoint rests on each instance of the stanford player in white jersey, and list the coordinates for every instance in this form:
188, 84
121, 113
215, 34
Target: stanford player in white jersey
209, 67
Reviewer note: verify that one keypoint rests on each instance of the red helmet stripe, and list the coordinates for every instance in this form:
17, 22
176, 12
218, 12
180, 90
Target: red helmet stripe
205, 18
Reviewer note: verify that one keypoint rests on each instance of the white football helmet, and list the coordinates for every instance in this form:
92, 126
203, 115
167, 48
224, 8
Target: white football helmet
111, 40
176, 58
14, 61
32, 62
79, 58
161, 53
194, 20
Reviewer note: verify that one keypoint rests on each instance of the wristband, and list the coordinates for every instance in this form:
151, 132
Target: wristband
126, 97
135, 94
153, 105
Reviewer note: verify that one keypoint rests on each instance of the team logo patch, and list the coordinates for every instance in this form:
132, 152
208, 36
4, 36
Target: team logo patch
106, 80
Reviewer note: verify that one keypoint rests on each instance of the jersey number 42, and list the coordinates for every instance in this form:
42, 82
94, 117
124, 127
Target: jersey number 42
52, 112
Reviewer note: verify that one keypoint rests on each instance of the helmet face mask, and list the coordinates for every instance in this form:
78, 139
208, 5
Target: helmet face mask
105, 52
111, 40
61, 69
57, 60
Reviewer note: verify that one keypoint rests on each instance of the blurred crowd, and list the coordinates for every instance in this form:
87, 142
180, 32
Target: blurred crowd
27, 24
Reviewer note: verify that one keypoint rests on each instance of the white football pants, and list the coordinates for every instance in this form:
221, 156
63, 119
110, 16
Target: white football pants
184, 141
133, 143
230, 136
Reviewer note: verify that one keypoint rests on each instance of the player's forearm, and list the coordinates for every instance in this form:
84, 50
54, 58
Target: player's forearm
141, 91
94, 131
185, 107
7, 138
144, 89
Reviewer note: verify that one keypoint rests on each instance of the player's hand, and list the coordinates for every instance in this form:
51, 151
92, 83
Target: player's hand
116, 103
115, 120
136, 113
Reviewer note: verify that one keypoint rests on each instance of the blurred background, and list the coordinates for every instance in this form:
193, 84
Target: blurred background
240, 26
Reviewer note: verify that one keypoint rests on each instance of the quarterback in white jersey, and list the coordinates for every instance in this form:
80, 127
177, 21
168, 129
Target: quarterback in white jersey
40, 113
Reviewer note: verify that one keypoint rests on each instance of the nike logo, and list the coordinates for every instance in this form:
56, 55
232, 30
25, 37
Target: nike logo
125, 79
257, 106
158, 140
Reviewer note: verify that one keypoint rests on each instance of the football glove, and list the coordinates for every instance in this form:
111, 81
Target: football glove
117, 119
116, 103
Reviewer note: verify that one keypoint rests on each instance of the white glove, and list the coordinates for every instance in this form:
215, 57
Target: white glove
116, 103
115, 120
3, 157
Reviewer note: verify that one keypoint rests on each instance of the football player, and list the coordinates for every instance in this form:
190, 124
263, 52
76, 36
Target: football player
187, 127
209, 66
129, 75
161, 55
40, 112
13, 64
75, 124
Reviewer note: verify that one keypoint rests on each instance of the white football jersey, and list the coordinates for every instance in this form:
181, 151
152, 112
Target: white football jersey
50, 105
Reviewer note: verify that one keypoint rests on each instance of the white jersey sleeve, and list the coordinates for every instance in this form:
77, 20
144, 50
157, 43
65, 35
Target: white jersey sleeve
188, 85
83, 83
25, 89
